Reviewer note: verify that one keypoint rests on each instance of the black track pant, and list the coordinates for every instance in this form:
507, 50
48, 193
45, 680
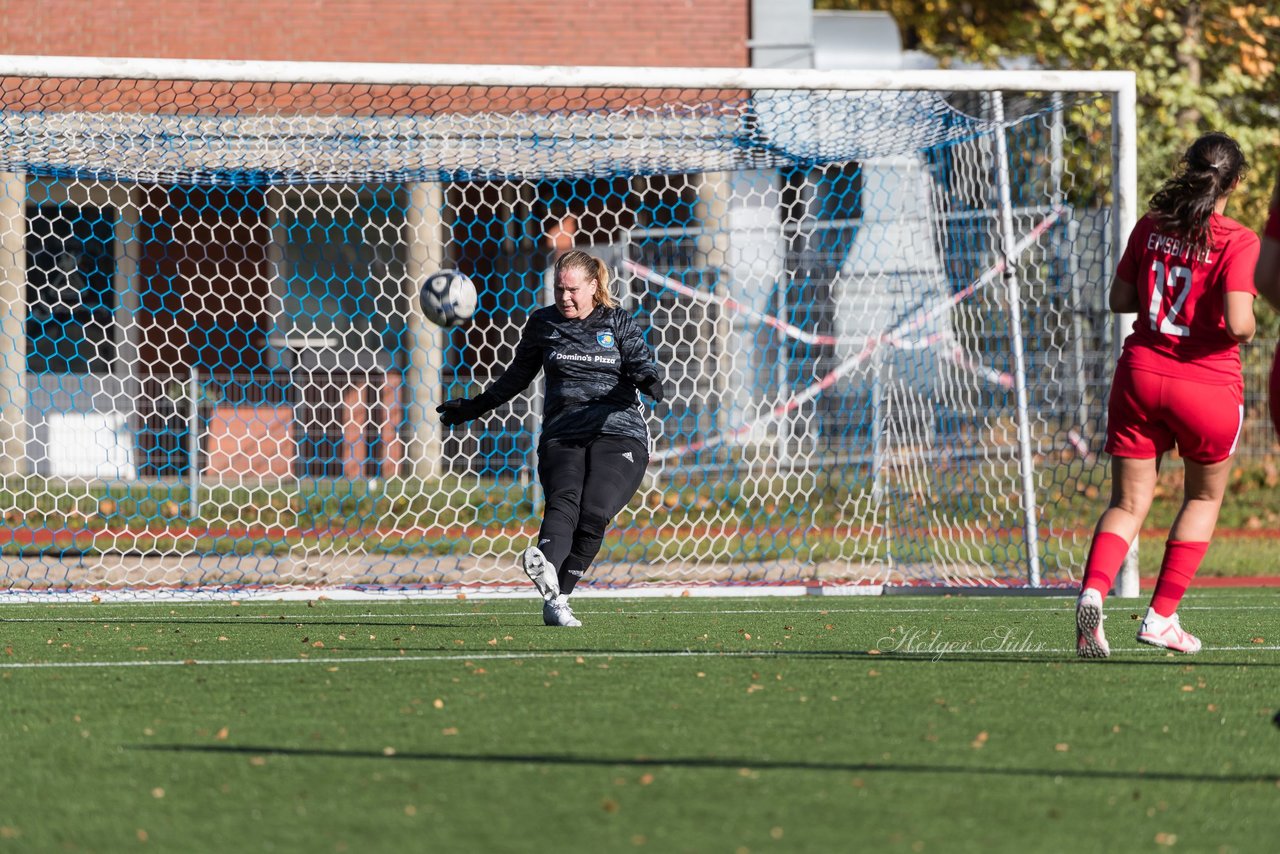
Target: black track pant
585, 483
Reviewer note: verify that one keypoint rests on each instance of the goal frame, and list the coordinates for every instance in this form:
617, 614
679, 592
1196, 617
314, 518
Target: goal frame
1119, 86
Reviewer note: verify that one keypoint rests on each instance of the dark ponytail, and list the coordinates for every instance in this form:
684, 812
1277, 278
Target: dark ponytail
1208, 170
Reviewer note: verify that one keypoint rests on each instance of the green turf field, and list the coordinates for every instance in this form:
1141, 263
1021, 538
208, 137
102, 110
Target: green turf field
668, 725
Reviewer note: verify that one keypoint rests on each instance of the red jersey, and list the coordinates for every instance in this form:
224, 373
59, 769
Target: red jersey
1180, 330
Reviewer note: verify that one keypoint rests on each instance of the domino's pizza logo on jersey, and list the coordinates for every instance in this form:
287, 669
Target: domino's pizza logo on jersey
605, 339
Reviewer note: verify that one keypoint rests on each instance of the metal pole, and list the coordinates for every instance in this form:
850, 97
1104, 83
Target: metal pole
1067, 265
879, 441
193, 445
1124, 187
877, 429
783, 370
1026, 464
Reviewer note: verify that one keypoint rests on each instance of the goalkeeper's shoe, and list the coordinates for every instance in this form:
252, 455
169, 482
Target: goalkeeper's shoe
556, 612
541, 573
1091, 641
1167, 632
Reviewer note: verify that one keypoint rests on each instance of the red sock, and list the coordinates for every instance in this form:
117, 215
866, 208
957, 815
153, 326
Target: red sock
1181, 560
1106, 556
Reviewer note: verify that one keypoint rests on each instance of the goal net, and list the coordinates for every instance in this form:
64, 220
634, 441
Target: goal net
875, 299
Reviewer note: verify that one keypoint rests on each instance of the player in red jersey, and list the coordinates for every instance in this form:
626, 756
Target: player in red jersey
1187, 272
1267, 279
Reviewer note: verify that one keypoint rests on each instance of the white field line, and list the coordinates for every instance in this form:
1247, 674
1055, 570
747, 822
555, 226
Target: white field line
608, 656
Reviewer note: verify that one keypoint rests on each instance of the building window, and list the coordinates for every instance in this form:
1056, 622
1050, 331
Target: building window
71, 300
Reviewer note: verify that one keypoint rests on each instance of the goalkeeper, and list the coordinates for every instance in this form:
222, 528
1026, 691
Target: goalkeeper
594, 444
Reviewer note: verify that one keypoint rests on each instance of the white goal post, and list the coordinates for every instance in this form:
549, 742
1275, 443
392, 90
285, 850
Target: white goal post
877, 297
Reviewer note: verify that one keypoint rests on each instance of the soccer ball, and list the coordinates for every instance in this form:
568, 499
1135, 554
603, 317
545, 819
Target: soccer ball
448, 298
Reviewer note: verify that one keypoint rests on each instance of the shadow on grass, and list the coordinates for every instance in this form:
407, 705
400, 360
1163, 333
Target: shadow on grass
1120, 658
711, 763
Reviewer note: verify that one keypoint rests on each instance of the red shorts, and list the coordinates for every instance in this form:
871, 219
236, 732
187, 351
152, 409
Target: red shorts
1149, 413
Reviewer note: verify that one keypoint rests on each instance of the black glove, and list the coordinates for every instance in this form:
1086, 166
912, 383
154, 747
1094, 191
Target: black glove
652, 386
461, 410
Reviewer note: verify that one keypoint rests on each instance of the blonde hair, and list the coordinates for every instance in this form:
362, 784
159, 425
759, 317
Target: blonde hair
591, 266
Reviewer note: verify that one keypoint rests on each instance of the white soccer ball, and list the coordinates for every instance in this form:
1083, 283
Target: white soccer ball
448, 298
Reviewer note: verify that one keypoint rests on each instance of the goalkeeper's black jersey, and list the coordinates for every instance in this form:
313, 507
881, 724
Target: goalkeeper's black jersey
593, 366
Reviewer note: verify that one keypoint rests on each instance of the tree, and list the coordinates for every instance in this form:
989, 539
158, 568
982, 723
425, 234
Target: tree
1203, 65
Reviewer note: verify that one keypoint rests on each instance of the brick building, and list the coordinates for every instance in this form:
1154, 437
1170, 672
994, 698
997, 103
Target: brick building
513, 32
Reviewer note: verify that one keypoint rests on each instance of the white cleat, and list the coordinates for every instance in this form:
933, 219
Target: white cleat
1091, 642
541, 573
556, 612
1167, 632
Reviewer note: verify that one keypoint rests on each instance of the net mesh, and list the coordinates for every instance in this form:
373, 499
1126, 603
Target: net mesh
215, 372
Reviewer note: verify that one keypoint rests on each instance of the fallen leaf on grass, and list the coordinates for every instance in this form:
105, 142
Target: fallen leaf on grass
1062, 747
221, 735
979, 741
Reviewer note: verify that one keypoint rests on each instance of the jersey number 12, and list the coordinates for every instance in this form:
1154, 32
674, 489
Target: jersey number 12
1177, 281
